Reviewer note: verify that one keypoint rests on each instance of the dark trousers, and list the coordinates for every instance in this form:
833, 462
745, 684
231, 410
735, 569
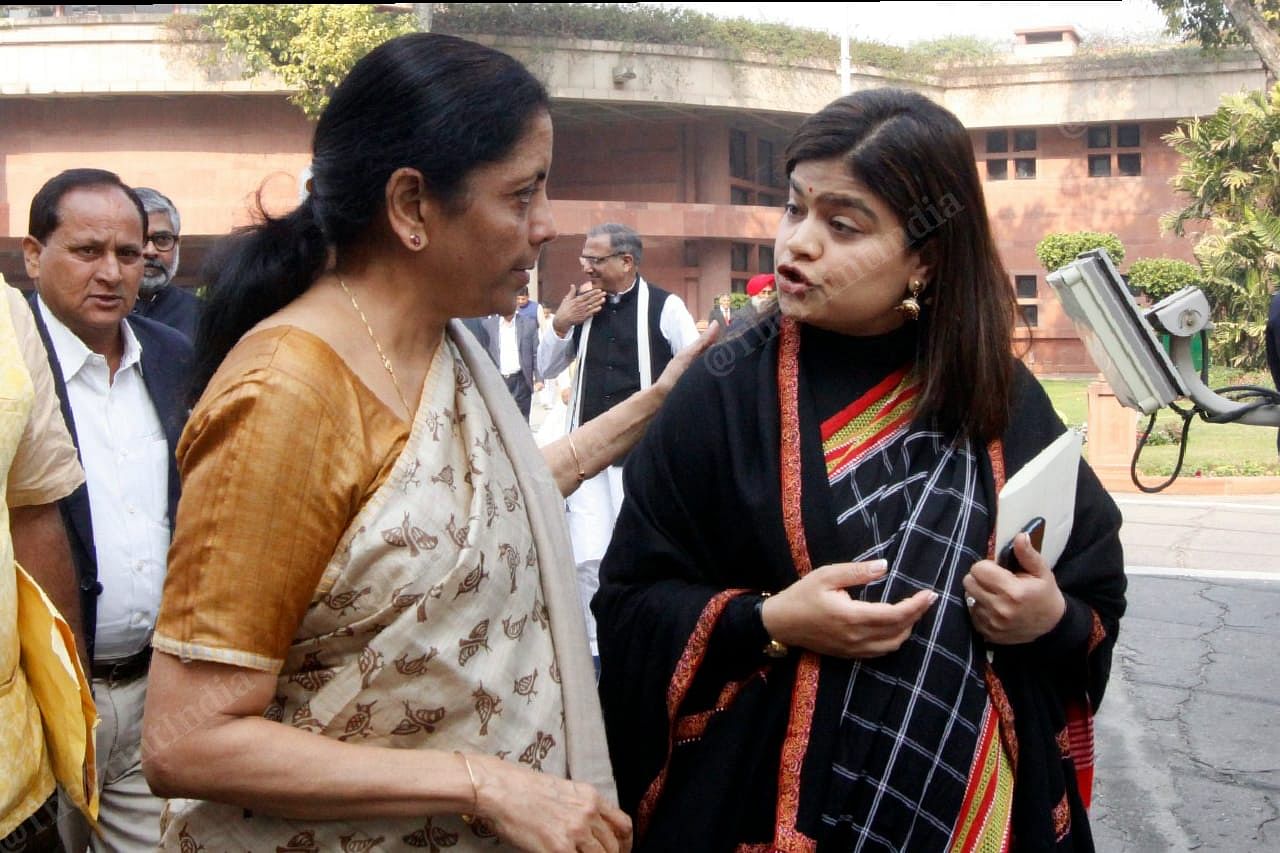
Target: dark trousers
36, 834
521, 390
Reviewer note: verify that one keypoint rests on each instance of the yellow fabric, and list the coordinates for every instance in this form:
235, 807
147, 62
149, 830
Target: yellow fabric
985, 827
45, 466
46, 712
61, 691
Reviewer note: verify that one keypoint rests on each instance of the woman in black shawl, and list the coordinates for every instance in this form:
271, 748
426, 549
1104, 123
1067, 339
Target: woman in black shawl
805, 641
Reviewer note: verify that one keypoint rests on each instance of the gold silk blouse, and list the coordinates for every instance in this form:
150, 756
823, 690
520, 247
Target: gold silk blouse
280, 453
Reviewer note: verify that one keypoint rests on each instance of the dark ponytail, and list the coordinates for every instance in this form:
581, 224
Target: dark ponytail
431, 102
252, 274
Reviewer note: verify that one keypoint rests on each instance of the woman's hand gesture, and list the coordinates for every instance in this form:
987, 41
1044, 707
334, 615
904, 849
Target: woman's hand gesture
816, 613
1010, 608
544, 814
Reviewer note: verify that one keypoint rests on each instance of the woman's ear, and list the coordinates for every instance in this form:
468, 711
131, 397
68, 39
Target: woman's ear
409, 208
923, 261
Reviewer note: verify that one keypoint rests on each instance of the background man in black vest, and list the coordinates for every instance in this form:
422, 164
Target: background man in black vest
624, 331
121, 380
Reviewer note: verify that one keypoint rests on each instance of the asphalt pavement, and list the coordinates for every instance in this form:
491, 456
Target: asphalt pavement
1188, 754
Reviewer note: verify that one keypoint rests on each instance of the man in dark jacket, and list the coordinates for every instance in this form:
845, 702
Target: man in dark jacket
158, 298
120, 380
512, 342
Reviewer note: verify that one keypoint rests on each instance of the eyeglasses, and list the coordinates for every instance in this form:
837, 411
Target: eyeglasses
595, 262
163, 240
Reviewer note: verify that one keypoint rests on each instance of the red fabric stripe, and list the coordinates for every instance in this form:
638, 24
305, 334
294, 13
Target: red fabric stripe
1080, 735
834, 423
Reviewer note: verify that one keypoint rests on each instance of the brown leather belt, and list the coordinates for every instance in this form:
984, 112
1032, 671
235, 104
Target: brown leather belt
118, 671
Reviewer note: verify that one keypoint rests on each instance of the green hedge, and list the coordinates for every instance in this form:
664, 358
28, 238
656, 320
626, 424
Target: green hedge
1159, 277
1057, 250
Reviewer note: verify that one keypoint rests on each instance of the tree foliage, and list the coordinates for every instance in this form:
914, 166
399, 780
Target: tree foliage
311, 48
1215, 24
1209, 22
1057, 250
1159, 277
1230, 175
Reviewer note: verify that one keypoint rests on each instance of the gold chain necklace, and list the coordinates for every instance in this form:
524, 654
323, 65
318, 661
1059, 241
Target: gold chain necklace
386, 362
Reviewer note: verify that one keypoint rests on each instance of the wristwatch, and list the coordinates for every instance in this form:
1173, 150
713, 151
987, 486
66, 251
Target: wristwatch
773, 648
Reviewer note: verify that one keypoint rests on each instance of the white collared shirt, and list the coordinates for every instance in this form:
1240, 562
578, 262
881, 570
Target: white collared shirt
508, 346
126, 466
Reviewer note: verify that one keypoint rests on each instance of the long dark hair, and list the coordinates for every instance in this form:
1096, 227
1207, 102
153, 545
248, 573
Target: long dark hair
435, 103
918, 158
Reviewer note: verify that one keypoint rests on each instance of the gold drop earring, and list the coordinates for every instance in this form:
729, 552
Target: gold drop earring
909, 307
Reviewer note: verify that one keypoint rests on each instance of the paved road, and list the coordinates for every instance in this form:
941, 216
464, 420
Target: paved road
1189, 734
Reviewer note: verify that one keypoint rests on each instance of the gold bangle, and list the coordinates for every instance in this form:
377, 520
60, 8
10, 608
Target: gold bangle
475, 792
582, 474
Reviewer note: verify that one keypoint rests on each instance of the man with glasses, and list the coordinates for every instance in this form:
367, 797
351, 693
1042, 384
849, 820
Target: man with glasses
173, 306
624, 331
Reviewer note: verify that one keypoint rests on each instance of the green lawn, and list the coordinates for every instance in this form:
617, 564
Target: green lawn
1212, 449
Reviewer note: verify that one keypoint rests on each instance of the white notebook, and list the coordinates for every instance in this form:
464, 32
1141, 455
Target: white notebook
1044, 487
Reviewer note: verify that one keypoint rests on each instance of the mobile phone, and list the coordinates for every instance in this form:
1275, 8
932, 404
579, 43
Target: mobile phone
1033, 528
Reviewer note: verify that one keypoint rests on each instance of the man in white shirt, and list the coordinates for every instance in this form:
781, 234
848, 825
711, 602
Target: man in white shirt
512, 342
624, 331
120, 383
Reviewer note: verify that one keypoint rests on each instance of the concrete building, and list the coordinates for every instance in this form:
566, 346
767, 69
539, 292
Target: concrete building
684, 144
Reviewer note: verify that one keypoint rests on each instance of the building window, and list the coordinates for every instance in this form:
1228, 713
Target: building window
1127, 164
1025, 285
766, 167
755, 176
691, 253
740, 257
738, 155
998, 142
1030, 315
1128, 136
766, 259
1043, 38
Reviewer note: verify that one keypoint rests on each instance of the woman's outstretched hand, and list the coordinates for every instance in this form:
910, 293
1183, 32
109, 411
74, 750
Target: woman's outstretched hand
544, 814
1010, 608
816, 613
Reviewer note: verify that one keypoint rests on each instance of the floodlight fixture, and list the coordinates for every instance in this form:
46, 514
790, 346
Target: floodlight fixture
1122, 341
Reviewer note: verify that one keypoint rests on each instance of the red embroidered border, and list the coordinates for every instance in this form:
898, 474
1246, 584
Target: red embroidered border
804, 693
681, 680
999, 700
1061, 819
1096, 633
693, 726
